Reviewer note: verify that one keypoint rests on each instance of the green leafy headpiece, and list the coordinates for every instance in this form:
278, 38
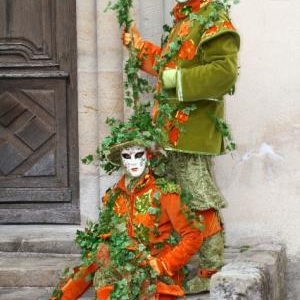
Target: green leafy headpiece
138, 130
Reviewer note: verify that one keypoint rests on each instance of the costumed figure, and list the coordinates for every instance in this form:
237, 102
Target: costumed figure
196, 66
145, 235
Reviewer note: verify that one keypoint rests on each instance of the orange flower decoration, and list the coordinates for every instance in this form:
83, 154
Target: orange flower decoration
154, 113
171, 64
105, 236
168, 124
184, 29
144, 219
187, 50
131, 248
181, 117
211, 30
120, 206
105, 199
228, 25
174, 135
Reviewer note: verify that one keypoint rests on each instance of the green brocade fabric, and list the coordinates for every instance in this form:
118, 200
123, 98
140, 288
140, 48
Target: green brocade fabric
193, 172
210, 256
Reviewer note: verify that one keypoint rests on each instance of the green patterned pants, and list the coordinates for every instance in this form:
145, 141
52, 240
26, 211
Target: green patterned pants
193, 172
210, 256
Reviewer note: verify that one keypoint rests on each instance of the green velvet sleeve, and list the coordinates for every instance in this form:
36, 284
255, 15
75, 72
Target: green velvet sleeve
216, 75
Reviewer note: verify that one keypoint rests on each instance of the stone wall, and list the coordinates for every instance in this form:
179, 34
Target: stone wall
100, 89
257, 273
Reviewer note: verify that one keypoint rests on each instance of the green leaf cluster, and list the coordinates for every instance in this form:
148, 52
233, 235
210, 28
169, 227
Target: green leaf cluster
228, 4
138, 128
168, 187
122, 9
224, 129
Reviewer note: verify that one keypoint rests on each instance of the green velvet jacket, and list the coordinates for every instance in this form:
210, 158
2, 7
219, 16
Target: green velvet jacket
207, 69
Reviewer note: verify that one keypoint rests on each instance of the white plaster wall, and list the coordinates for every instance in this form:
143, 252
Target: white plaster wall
261, 181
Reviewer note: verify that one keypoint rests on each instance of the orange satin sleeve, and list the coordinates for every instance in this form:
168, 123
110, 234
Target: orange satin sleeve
147, 55
190, 236
76, 286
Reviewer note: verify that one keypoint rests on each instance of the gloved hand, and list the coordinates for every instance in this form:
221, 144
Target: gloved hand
133, 36
159, 266
169, 78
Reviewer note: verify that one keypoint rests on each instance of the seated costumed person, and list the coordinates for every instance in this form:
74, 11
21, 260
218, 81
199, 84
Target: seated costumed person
145, 234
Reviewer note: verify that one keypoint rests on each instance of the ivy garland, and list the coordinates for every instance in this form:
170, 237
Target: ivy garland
134, 85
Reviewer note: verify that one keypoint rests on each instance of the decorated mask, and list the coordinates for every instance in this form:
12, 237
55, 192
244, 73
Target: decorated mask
182, 1
134, 160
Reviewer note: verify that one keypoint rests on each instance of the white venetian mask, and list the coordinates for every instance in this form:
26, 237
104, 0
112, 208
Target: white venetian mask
181, 1
134, 160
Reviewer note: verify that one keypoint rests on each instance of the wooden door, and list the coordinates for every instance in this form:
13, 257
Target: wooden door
38, 112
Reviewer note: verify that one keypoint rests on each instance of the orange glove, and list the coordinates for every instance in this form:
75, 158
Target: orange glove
133, 36
159, 266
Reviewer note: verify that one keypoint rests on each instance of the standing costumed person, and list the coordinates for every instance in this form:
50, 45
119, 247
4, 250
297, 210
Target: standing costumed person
145, 234
196, 66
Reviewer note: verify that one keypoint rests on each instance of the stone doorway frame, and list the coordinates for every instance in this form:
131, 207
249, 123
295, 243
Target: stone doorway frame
100, 82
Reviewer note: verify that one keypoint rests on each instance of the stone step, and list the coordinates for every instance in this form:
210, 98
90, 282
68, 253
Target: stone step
38, 238
29, 276
32, 258
35, 293
258, 273
21, 269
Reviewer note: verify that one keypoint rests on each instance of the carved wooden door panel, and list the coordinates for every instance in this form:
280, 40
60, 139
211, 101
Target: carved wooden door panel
38, 112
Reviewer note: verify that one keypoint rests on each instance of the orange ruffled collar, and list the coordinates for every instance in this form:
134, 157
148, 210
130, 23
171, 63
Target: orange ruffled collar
194, 4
